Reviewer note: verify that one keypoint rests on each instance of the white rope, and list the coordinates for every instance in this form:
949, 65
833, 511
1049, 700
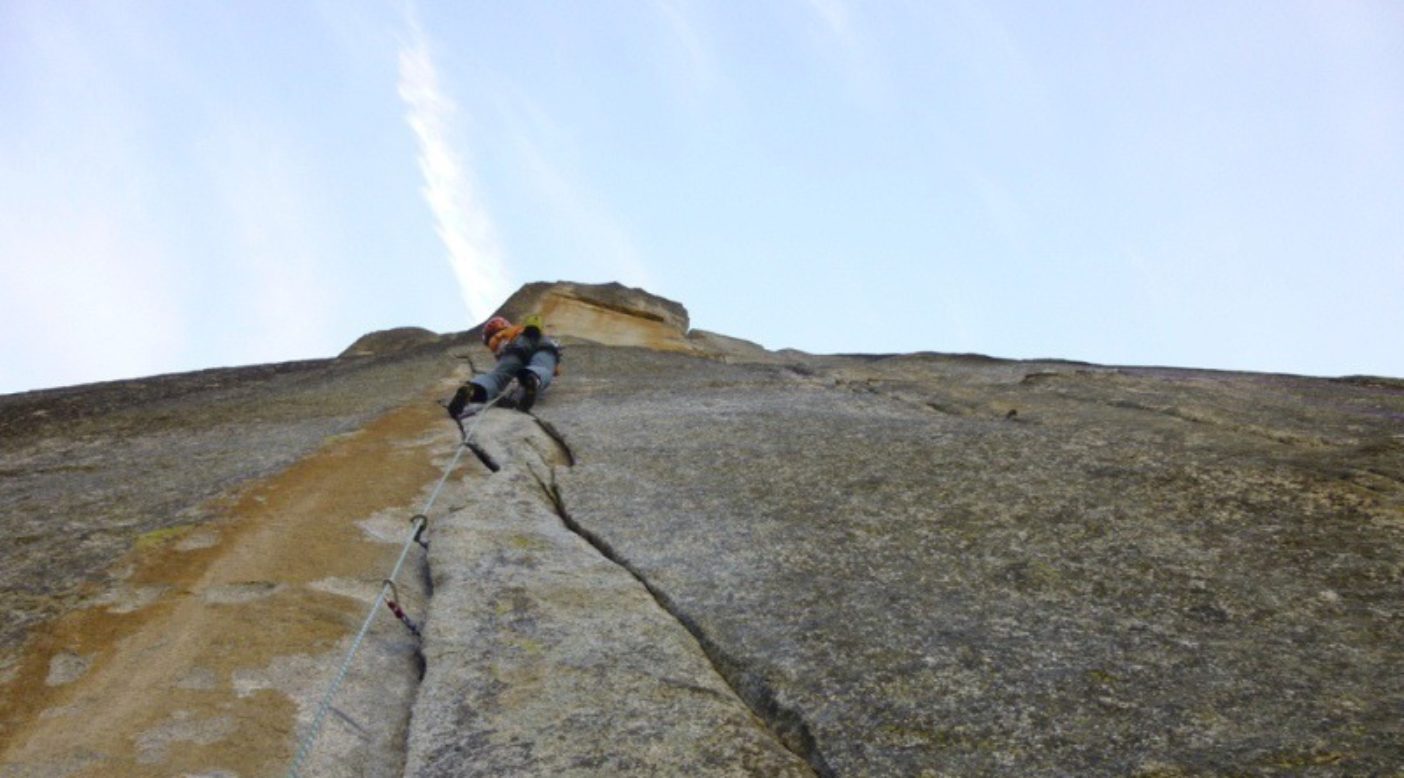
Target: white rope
417, 523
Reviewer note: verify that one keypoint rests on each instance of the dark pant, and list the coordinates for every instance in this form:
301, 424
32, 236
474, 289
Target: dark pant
539, 359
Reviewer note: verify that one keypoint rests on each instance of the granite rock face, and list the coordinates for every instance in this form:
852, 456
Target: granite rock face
699, 556
970, 566
194, 552
544, 657
89, 470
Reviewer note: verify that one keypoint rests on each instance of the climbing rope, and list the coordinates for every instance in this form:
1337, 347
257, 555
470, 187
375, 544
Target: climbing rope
417, 525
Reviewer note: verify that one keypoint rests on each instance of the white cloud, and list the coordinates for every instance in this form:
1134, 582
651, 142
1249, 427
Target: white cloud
461, 219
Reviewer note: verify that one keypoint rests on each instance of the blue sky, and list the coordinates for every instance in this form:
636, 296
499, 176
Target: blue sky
1209, 184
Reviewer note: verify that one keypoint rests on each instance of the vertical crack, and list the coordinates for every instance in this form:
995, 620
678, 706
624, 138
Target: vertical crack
555, 434
786, 723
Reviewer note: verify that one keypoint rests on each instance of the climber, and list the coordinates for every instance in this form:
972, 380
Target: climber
523, 353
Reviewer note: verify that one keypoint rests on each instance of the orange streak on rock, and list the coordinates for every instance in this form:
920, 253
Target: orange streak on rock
159, 684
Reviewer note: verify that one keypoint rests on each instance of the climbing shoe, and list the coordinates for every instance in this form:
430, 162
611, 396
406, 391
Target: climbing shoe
465, 394
460, 399
530, 384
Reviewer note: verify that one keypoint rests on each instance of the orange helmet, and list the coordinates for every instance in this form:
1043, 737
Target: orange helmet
494, 325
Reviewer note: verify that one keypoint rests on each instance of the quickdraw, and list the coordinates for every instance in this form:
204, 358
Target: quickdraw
419, 533
392, 602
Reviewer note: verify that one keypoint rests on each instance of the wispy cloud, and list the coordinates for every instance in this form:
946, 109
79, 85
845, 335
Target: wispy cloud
461, 220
